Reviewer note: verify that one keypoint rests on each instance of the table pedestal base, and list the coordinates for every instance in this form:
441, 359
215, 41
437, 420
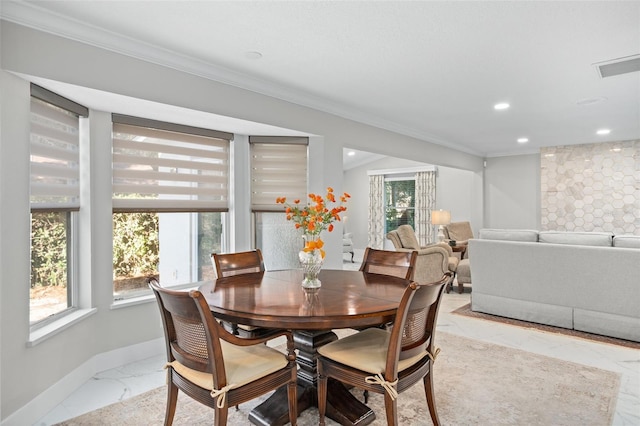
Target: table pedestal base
342, 406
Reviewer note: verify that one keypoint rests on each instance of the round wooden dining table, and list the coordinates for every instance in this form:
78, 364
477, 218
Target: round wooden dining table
276, 299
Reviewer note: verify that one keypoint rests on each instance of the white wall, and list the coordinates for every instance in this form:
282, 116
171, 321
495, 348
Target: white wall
455, 191
34, 53
512, 192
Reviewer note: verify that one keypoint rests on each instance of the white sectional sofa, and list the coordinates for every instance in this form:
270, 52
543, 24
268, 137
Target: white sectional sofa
588, 281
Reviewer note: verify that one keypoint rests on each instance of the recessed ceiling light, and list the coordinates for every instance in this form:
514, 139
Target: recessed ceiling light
501, 106
253, 55
523, 140
351, 153
603, 131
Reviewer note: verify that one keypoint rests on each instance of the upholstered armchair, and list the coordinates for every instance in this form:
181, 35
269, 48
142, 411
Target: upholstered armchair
433, 260
460, 232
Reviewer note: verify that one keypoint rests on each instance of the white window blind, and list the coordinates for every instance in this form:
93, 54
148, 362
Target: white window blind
55, 151
278, 169
167, 167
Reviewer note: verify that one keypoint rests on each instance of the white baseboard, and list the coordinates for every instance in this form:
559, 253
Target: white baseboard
39, 406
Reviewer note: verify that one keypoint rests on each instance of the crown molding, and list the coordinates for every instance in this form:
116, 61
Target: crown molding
33, 16
511, 153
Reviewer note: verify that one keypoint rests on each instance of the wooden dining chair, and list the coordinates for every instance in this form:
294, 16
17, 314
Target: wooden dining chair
213, 366
392, 263
388, 361
230, 264
386, 262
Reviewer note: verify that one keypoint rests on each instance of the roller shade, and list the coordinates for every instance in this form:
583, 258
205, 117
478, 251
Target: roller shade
278, 169
168, 168
54, 151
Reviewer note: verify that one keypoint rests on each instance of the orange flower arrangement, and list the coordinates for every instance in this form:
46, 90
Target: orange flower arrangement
315, 217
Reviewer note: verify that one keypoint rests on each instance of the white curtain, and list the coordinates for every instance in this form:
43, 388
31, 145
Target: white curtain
425, 202
376, 211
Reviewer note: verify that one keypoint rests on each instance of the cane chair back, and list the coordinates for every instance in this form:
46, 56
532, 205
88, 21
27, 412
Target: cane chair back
202, 358
389, 362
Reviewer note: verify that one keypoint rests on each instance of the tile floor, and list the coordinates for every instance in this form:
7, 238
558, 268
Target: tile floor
120, 383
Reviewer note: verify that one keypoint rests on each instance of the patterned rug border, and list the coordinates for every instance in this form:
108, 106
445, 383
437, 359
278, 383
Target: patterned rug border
467, 312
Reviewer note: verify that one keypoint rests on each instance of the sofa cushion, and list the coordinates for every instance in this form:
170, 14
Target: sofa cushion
529, 235
626, 241
408, 237
599, 239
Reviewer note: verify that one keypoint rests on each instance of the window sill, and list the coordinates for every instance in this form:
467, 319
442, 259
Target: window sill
149, 297
50, 330
133, 301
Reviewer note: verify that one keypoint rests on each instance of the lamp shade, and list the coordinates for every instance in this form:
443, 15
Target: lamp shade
440, 217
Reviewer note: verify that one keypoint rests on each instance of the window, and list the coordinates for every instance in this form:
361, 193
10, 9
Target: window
399, 194
278, 169
170, 198
55, 201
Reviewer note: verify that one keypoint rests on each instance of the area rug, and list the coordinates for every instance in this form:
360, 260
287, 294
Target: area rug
467, 312
476, 383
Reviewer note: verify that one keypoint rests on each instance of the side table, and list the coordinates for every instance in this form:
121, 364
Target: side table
462, 248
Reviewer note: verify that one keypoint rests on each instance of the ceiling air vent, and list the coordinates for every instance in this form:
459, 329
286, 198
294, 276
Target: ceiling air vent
618, 66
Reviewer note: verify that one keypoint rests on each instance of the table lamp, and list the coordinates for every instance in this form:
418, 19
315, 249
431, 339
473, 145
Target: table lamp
440, 218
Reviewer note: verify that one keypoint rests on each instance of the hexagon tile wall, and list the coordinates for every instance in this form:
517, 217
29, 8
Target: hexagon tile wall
591, 187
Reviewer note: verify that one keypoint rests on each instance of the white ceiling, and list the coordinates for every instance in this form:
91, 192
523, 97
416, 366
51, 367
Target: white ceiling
428, 69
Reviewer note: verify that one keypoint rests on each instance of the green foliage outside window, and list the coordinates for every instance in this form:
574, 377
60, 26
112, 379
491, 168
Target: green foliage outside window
399, 203
209, 240
49, 248
136, 246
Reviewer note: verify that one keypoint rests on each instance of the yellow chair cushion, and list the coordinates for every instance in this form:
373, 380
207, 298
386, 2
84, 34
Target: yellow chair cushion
366, 351
243, 364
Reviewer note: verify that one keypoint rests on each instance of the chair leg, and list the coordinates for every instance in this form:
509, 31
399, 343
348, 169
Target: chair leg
449, 286
322, 396
431, 401
220, 416
172, 399
391, 409
293, 401
365, 394
352, 258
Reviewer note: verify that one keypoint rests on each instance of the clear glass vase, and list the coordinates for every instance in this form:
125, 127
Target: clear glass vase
311, 263
311, 260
